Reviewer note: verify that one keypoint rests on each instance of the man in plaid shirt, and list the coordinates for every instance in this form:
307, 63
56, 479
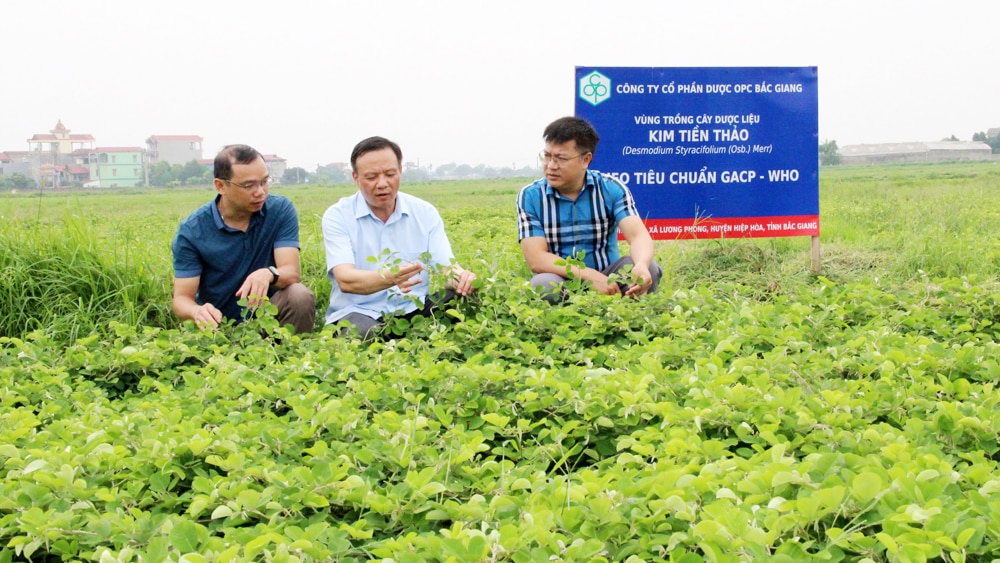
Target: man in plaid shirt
573, 210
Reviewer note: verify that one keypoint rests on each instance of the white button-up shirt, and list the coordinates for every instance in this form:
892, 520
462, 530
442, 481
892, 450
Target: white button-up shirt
352, 234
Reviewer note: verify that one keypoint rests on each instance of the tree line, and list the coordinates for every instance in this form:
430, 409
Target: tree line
16, 181
993, 142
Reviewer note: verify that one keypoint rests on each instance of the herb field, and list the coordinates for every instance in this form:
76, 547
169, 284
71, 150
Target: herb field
749, 411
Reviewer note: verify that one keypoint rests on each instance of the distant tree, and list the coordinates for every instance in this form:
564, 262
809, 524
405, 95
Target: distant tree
993, 142
16, 181
295, 175
828, 153
416, 175
161, 174
445, 170
191, 170
331, 175
203, 180
952, 138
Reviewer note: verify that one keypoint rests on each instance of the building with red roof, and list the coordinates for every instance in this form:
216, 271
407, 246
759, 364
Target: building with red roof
53, 159
59, 140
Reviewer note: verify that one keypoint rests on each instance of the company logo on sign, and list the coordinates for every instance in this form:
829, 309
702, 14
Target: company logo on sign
595, 88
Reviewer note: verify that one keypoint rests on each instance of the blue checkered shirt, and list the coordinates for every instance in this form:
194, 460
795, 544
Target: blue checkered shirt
588, 224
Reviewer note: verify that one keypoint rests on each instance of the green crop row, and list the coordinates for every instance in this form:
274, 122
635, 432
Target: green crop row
749, 411
850, 423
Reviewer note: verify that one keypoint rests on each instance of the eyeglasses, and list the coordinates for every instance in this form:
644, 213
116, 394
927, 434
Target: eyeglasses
556, 159
251, 186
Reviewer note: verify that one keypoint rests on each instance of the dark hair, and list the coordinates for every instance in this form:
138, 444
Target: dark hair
374, 144
566, 129
233, 154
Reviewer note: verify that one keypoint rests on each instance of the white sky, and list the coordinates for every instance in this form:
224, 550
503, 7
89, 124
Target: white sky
466, 81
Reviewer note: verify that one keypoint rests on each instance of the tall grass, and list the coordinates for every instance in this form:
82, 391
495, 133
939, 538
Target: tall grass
61, 279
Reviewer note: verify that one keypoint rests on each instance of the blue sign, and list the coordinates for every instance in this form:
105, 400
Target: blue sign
709, 152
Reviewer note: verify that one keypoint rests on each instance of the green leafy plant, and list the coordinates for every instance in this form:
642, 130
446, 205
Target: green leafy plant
851, 416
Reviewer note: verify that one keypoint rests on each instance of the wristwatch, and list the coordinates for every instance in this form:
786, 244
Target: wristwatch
275, 274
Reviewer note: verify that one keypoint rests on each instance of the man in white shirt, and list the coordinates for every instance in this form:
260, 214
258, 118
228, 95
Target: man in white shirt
381, 246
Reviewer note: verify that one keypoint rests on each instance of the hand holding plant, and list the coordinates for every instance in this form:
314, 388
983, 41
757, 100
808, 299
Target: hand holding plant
633, 280
254, 288
207, 316
605, 285
402, 276
395, 270
642, 280
576, 269
461, 280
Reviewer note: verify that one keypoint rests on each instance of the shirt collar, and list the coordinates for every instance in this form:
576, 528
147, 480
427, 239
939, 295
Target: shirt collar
361, 208
217, 217
219, 224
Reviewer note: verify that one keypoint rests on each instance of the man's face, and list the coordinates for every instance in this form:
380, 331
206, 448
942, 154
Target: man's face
247, 189
377, 175
565, 166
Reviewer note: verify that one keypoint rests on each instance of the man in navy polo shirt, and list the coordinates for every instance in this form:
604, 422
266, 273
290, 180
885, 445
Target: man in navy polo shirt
573, 210
243, 244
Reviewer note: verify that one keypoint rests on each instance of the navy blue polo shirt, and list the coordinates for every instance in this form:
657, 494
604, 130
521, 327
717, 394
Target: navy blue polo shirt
223, 257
